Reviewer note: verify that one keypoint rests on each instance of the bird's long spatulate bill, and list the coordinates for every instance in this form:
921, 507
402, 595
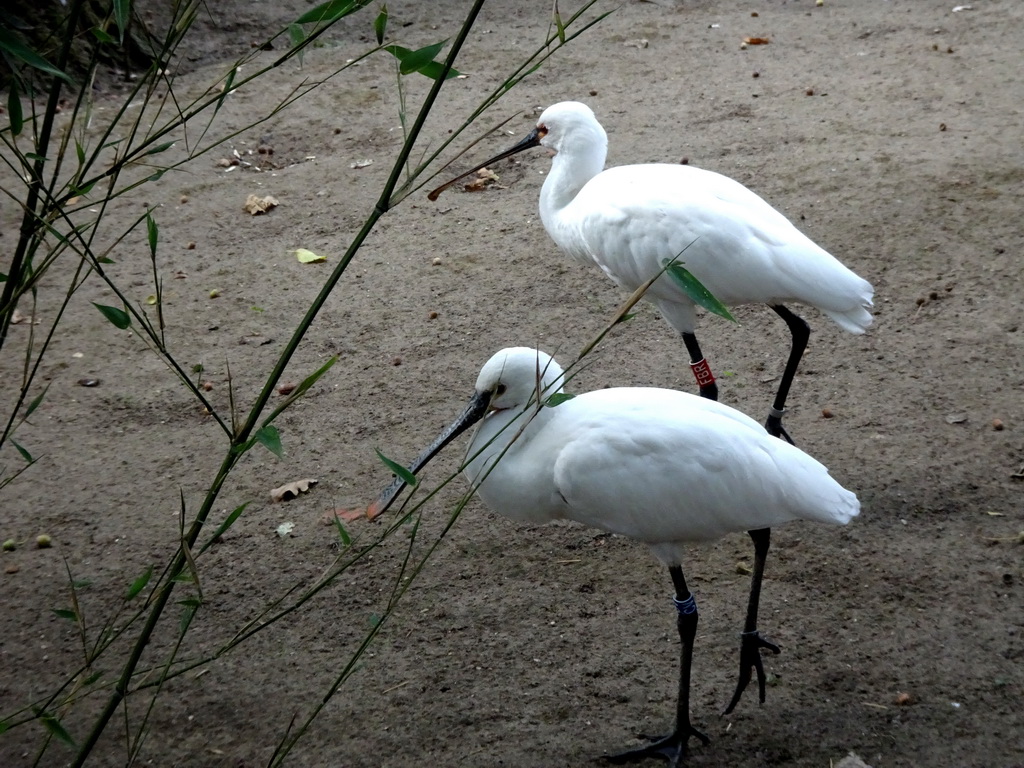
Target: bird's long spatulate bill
475, 411
532, 140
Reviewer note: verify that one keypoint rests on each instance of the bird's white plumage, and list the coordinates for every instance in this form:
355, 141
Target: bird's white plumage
630, 219
659, 466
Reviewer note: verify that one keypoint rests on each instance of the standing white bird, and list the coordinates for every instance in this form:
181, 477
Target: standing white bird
663, 467
633, 219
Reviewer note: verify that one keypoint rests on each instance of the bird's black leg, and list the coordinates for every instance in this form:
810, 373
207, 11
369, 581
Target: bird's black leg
701, 369
801, 332
673, 747
752, 642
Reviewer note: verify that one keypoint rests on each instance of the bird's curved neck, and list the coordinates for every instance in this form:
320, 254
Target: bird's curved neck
571, 169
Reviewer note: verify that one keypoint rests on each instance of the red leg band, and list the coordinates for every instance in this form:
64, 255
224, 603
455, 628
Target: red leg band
702, 373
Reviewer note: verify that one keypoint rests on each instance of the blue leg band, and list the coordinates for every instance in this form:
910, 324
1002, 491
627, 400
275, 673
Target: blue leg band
687, 606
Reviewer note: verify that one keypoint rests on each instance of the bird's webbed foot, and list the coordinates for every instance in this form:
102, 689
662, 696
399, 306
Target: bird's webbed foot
750, 659
671, 748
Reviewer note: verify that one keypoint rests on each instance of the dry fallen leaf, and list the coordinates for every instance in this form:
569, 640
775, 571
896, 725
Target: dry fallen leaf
257, 205
308, 257
756, 40
956, 418
289, 491
483, 177
285, 529
17, 317
361, 163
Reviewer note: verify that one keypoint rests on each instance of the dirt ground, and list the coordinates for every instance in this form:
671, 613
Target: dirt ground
888, 130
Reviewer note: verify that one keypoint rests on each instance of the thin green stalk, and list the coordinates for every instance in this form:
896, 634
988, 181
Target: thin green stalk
382, 206
28, 225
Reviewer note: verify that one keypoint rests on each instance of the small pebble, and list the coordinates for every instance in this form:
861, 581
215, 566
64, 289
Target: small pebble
396, 361
286, 388
933, 295
809, 92
88, 382
214, 293
432, 315
757, 74
942, 126
743, 569
826, 413
43, 541
10, 545
437, 261
593, 92
184, 199
191, 246
997, 425
11, 569
207, 386
920, 300
902, 699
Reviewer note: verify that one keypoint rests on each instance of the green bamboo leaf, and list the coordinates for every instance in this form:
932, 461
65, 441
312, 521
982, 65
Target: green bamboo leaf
433, 70
298, 36
300, 390
270, 438
153, 232
118, 317
82, 191
413, 61
227, 89
557, 399
4, 726
228, 522
346, 540
35, 156
139, 584
24, 454
407, 477
102, 35
92, 678
65, 613
14, 110
380, 24
167, 145
559, 26
695, 289
36, 401
80, 152
191, 605
122, 12
9, 43
626, 317
53, 726
331, 11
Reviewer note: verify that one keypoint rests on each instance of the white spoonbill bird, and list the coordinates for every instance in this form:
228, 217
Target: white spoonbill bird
660, 466
631, 219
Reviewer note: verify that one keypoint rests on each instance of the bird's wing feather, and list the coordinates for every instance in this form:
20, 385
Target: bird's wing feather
631, 219
662, 466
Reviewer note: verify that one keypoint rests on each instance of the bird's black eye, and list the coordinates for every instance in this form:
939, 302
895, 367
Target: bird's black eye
500, 390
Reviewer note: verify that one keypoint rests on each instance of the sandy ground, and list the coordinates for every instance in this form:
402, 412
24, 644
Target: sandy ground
890, 131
